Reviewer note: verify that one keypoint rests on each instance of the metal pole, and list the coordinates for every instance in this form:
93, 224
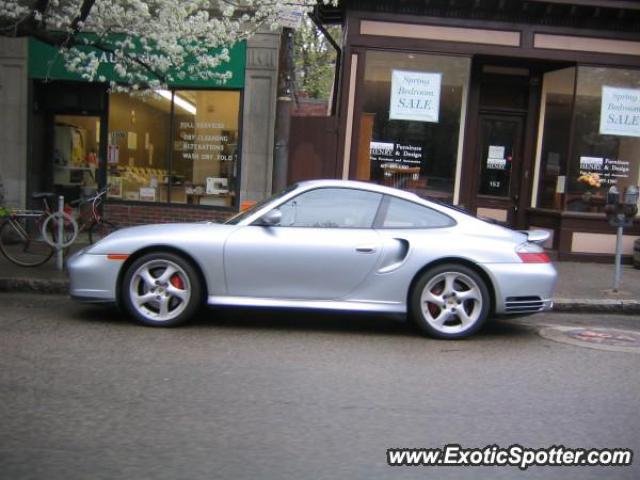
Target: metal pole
283, 112
60, 239
616, 279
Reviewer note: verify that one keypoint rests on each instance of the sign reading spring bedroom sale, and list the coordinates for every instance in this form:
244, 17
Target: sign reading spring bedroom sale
620, 112
415, 96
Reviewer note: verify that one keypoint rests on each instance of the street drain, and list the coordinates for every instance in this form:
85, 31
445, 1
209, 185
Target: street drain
610, 339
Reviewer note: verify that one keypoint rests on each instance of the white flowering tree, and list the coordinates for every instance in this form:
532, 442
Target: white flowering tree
148, 43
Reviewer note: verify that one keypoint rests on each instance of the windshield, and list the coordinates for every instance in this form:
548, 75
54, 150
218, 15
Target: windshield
238, 217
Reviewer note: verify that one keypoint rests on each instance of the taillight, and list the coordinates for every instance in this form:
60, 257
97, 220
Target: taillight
528, 257
532, 253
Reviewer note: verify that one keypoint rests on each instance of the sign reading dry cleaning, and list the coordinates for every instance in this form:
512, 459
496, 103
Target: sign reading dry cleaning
415, 96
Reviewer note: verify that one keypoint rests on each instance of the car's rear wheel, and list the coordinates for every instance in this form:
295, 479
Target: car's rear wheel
161, 289
450, 301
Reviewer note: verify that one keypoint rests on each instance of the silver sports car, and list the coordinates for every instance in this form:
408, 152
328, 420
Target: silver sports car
325, 244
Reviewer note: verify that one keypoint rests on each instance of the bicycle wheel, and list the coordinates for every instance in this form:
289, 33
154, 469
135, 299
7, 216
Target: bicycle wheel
101, 229
22, 243
50, 226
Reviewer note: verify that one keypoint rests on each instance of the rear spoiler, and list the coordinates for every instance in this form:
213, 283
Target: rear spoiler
536, 236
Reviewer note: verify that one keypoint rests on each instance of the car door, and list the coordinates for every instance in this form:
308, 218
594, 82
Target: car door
322, 248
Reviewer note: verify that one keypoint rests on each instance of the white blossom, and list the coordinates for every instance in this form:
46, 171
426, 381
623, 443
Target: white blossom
148, 43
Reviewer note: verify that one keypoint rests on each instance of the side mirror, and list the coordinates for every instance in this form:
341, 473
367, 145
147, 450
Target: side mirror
271, 218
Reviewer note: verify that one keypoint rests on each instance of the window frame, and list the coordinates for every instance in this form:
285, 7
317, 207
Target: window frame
570, 149
168, 160
359, 104
256, 222
384, 208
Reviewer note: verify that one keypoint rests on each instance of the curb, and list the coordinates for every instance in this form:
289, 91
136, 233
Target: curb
35, 285
585, 305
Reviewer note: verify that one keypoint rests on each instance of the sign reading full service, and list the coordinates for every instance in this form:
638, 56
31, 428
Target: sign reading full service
620, 112
415, 96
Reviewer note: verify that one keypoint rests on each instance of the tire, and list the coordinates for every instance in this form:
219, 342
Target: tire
161, 289
450, 301
22, 243
100, 229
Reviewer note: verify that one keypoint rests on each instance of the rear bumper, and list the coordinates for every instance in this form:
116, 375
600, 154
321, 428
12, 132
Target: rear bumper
93, 278
522, 288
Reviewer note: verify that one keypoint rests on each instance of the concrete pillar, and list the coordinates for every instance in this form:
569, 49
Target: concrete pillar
13, 119
261, 78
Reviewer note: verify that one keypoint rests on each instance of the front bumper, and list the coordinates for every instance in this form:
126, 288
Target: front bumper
93, 278
522, 288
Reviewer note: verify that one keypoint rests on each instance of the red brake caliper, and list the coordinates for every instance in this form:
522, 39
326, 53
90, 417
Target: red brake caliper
176, 281
433, 308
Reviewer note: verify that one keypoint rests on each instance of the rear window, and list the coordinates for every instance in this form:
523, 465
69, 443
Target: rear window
404, 214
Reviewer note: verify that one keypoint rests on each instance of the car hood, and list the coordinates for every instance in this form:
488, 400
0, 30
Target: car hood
129, 239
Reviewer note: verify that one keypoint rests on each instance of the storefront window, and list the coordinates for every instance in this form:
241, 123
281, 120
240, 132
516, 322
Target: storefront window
557, 103
136, 152
195, 164
205, 147
606, 139
410, 121
76, 143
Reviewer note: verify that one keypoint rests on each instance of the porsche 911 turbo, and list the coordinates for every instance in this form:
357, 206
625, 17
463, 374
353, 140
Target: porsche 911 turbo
325, 244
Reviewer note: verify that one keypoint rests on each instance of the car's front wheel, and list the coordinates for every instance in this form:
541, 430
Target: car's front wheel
450, 301
161, 289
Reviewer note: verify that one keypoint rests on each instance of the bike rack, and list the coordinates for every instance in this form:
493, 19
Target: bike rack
60, 242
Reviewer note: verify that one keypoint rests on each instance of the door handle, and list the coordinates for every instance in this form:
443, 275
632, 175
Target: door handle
366, 249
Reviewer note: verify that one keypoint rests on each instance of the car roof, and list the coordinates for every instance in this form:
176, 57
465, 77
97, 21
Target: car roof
372, 187
450, 210
306, 185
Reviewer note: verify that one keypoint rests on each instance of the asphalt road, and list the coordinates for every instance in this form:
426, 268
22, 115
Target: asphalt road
84, 394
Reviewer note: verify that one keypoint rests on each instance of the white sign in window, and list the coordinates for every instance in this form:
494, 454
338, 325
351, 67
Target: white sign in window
496, 151
496, 163
620, 112
415, 96
593, 164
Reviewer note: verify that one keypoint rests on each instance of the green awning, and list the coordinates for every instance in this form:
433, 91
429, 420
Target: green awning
46, 63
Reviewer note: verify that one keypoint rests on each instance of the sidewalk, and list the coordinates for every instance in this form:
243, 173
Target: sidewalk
582, 287
586, 287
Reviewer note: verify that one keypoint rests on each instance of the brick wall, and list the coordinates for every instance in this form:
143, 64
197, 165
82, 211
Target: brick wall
122, 214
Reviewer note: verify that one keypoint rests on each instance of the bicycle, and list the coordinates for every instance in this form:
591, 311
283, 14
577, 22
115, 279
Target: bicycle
91, 222
22, 240
29, 238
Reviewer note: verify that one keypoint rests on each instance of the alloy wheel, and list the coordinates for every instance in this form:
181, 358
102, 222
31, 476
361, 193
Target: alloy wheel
451, 302
160, 290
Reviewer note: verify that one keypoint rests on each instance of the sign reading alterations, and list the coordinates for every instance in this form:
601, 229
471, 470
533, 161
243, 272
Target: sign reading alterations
415, 96
620, 112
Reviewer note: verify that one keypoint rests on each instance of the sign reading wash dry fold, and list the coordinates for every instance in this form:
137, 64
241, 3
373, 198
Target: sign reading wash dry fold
415, 96
45, 62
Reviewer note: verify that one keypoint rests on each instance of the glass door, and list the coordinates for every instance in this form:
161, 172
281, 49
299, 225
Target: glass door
500, 161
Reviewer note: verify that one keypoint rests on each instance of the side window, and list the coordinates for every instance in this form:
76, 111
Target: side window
331, 208
404, 214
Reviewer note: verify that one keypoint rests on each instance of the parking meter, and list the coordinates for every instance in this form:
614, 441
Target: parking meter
613, 195
613, 198
621, 214
630, 208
